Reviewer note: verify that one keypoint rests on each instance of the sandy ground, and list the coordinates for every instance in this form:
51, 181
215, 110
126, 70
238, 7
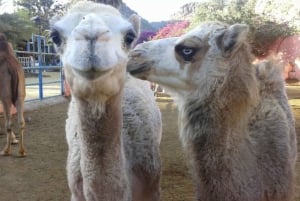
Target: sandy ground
41, 175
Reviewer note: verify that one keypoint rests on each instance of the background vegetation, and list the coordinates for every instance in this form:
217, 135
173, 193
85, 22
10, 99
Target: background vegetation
268, 20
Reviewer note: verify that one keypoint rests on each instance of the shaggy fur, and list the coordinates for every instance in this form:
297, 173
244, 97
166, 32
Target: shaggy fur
12, 92
235, 122
113, 128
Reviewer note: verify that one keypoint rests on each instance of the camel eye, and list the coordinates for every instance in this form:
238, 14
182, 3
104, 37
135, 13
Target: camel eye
185, 52
129, 38
55, 36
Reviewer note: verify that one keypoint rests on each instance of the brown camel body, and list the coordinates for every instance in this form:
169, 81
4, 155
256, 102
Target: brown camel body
12, 92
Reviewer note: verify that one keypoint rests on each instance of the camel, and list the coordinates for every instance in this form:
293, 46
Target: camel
113, 129
12, 92
236, 125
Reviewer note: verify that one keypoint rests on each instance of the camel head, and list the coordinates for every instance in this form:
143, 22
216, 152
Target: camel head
181, 64
93, 41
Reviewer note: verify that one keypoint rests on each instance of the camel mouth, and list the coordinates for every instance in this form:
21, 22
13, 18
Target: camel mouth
92, 74
140, 70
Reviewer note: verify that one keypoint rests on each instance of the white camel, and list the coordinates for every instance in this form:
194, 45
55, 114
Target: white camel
113, 128
236, 125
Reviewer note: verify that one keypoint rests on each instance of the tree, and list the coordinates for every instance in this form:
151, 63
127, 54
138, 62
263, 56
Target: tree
41, 11
17, 28
264, 30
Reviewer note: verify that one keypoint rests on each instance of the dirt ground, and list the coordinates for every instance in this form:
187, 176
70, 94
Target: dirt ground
41, 175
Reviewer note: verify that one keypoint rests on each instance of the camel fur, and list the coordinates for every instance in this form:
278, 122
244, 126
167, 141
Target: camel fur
113, 128
236, 125
12, 92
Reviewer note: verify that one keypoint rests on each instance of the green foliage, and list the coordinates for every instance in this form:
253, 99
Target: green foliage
264, 29
17, 28
41, 11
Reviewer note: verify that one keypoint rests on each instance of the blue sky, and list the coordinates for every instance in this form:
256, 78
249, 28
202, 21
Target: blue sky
156, 10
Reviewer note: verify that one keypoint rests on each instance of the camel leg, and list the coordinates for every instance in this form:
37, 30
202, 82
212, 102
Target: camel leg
75, 182
14, 139
8, 127
146, 180
74, 175
143, 190
21, 124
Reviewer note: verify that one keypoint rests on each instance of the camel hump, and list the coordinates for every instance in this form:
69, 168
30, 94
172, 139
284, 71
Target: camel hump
270, 71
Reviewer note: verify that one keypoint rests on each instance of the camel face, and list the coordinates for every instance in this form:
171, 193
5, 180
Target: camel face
182, 64
94, 40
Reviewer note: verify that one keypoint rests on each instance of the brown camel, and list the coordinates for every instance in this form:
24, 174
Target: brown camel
12, 92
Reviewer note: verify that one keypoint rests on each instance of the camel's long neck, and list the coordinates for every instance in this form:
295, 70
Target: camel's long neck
102, 154
217, 120
100, 127
223, 105
202, 124
208, 140
214, 124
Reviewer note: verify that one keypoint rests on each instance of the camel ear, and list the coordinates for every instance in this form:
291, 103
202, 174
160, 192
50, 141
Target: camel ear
135, 20
232, 38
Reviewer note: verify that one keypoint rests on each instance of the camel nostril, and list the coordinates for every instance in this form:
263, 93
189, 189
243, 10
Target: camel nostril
104, 35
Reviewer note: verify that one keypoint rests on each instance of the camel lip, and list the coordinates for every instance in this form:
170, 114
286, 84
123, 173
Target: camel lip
142, 68
139, 70
92, 74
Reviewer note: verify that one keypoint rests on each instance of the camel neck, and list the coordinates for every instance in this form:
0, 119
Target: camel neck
102, 152
100, 127
206, 125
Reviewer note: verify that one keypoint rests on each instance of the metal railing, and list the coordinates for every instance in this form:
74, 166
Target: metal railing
43, 75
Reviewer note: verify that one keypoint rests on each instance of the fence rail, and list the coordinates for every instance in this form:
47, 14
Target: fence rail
43, 74
43, 70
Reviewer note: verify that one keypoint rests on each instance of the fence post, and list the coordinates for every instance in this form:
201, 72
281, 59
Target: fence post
41, 95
